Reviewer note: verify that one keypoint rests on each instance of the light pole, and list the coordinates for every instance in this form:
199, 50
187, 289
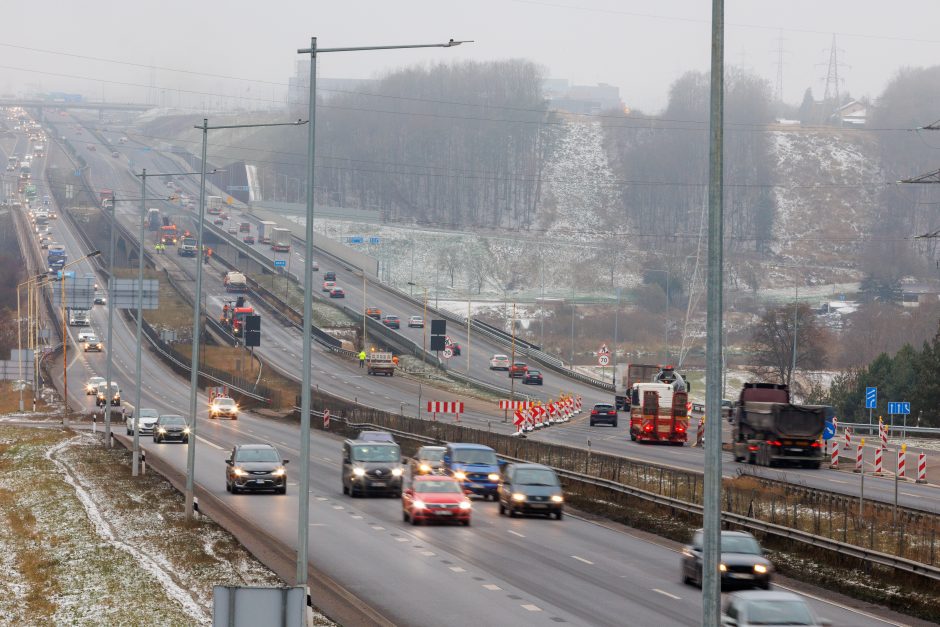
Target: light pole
197, 304
19, 322
65, 338
666, 322
304, 498
613, 361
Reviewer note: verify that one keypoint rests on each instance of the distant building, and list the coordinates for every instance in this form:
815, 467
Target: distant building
852, 113
298, 85
584, 99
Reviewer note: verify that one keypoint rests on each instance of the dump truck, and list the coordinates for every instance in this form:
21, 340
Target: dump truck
188, 246
380, 363
265, 227
280, 240
153, 219
214, 205
235, 282
769, 430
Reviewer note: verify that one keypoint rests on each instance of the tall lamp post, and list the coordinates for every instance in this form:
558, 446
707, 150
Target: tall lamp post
197, 305
19, 321
65, 338
304, 499
666, 322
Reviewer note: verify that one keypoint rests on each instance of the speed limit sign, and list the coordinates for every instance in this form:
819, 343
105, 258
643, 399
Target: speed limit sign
448, 353
603, 360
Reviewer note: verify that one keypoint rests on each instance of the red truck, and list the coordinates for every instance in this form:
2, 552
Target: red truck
658, 405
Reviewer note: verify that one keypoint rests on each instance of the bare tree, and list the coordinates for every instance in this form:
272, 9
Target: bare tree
772, 344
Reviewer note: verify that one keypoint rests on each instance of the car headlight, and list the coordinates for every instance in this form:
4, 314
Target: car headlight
238, 472
518, 496
424, 468
460, 475
557, 498
760, 568
278, 472
418, 504
493, 476
359, 472
161, 430
396, 472
186, 431
465, 505
723, 568
214, 408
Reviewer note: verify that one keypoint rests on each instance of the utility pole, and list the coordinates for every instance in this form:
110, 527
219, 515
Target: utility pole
796, 309
512, 362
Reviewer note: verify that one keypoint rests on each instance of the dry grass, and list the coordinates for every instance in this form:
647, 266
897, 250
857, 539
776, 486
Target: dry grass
227, 358
173, 312
10, 400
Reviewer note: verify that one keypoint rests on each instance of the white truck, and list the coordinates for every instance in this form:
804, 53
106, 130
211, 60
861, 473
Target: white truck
280, 240
380, 363
265, 228
78, 318
235, 282
214, 204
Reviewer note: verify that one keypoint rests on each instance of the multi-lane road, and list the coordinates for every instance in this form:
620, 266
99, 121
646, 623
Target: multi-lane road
498, 571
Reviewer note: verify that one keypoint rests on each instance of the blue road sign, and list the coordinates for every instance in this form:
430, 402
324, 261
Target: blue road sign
237, 188
78, 172
871, 398
900, 409
373, 240
280, 263
355, 240
829, 431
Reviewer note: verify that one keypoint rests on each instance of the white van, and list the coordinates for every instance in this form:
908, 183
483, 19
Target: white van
78, 318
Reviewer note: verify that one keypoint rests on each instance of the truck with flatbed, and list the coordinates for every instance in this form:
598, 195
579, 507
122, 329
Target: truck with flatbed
380, 363
768, 430
658, 406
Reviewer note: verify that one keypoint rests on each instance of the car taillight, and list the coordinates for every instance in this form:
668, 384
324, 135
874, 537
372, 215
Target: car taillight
680, 428
752, 448
648, 427
775, 443
816, 444
593, 412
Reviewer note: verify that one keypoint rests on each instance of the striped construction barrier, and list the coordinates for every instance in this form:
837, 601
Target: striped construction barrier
902, 458
921, 468
834, 459
859, 463
879, 462
848, 439
445, 407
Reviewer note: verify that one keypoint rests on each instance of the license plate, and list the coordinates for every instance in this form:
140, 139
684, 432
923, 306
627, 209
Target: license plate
787, 442
475, 485
444, 512
742, 576
795, 450
536, 505
378, 484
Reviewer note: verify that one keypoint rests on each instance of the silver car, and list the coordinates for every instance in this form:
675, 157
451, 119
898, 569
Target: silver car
768, 609
148, 418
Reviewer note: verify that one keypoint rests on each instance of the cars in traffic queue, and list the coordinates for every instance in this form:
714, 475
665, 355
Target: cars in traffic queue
530, 489
435, 498
84, 335
101, 298
428, 460
391, 321
315, 266
475, 465
91, 386
371, 468
500, 362
374, 312
249, 239
144, 420
742, 563
255, 467
170, 428
92, 343
532, 377
517, 370
603, 414
102, 394
768, 608
337, 292
329, 275
223, 407
328, 286
244, 227
115, 154
415, 322
233, 230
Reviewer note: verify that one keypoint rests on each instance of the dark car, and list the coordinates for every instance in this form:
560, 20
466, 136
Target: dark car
171, 427
530, 489
337, 292
329, 275
743, 564
255, 467
429, 460
249, 239
756, 607
371, 467
603, 414
392, 322
532, 377
218, 222
517, 370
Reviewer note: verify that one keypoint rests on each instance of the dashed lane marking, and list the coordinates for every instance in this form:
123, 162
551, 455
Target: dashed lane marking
516, 533
213, 445
377, 528
491, 586
581, 559
338, 507
837, 481
531, 608
458, 569
427, 553
664, 593
357, 516
401, 540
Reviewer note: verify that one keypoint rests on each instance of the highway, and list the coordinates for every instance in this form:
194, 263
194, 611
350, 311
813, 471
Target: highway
340, 376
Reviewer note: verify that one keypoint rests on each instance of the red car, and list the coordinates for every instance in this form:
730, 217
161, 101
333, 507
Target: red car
517, 370
337, 292
433, 497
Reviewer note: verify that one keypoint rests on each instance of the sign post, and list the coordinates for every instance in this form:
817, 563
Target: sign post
900, 409
871, 401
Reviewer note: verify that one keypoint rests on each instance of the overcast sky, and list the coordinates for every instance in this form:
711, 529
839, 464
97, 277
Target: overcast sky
641, 47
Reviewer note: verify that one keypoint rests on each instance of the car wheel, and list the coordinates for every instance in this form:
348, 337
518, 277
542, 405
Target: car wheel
186, 440
404, 515
345, 489
591, 423
466, 523
614, 425
502, 509
228, 486
129, 432
415, 521
558, 515
633, 437
282, 489
512, 513
764, 585
396, 495
234, 488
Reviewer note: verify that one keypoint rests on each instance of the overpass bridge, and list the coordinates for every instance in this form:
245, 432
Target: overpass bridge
55, 104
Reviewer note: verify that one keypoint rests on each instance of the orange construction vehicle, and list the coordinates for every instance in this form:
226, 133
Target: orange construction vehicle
168, 233
234, 314
659, 409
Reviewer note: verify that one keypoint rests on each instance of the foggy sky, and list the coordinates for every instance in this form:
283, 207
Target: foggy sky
641, 47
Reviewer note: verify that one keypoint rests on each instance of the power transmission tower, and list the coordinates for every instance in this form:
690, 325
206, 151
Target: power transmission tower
832, 75
778, 87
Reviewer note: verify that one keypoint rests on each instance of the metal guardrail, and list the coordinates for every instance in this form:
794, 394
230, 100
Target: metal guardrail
873, 428
753, 524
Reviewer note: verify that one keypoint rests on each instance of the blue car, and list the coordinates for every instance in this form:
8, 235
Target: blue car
475, 466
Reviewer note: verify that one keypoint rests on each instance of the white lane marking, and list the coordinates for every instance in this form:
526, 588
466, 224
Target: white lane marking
427, 553
356, 516
531, 608
491, 586
379, 528
458, 569
318, 524
321, 498
215, 446
401, 540
581, 559
839, 605
909, 494
516, 533
338, 507
664, 593
837, 481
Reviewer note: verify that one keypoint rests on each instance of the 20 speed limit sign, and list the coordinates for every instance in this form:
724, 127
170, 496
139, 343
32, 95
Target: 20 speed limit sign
603, 360
448, 353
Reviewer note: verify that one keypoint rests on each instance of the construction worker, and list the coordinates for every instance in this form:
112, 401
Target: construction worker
362, 358
395, 359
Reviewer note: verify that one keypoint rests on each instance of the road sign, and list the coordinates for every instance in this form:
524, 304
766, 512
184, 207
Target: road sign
237, 188
124, 293
326, 418
19, 386
900, 409
603, 360
829, 431
448, 353
871, 398
280, 263
356, 239
603, 350
373, 240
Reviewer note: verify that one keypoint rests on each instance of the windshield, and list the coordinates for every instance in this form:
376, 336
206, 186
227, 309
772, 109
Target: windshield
539, 476
224, 402
740, 544
431, 455
773, 612
258, 455
438, 486
148, 413
475, 456
376, 453
172, 420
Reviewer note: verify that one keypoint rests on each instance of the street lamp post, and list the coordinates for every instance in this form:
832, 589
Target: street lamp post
666, 322
19, 322
304, 499
197, 305
65, 338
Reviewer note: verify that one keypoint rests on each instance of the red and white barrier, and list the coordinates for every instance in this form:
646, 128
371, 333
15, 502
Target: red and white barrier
848, 439
507, 404
700, 433
859, 463
921, 468
834, 461
902, 459
879, 461
577, 404
445, 407
882, 432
